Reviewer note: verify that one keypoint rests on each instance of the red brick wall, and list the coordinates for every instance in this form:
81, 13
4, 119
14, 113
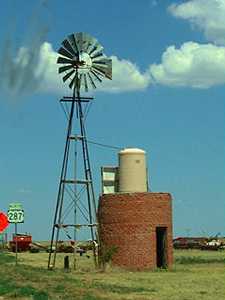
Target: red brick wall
129, 221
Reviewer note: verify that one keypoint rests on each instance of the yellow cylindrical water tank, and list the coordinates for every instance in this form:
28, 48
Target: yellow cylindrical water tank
132, 171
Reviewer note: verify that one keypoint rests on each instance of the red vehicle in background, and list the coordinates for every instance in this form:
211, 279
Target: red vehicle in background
23, 242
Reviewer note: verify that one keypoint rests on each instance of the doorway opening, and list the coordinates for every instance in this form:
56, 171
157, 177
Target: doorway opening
161, 247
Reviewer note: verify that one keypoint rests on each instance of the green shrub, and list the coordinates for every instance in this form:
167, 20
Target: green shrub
106, 255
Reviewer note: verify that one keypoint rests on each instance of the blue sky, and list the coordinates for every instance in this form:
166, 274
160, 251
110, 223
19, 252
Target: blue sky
166, 97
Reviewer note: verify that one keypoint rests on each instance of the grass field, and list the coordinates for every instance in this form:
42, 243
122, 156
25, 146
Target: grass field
196, 275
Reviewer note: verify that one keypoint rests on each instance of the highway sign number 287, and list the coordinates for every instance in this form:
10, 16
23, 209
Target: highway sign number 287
16, 216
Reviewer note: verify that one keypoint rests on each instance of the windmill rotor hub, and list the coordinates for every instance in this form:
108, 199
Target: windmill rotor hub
85, 61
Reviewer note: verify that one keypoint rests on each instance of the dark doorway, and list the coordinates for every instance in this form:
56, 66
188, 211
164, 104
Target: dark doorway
161, 246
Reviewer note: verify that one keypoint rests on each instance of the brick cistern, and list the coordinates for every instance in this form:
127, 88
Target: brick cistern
137, 224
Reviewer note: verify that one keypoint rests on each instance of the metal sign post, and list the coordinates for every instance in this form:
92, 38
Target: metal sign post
16, 244
16, 215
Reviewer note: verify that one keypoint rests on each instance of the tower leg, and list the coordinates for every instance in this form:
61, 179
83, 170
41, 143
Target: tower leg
59, 204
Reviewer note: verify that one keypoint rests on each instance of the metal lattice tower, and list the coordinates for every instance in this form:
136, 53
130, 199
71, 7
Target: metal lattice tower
84, 65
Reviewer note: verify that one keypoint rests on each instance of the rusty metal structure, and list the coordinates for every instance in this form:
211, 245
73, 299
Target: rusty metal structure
83, 65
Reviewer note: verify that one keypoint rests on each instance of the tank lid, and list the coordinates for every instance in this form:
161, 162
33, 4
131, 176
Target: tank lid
132, 150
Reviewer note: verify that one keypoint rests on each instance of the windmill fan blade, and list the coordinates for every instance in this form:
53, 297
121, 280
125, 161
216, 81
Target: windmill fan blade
92, 42
85, 83
97, 56
104, 66
96, 75
80, 40
65, 53
68, 75
68, 47
73, 43
73, 81
65, 68
99, 71
87, 41
63, 60
104, 62
107, 72
91, 81
93, 47
96, 51
84, 40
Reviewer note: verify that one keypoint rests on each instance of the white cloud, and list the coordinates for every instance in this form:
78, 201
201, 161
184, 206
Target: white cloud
207, 15
126, 75
48, 70
193, 65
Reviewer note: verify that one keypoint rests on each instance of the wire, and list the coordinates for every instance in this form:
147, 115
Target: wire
104, 145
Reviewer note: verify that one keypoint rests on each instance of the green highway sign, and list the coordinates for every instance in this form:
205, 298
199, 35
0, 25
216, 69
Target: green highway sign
15, 213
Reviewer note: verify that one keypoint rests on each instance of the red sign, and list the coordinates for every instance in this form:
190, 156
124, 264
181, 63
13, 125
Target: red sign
3, 221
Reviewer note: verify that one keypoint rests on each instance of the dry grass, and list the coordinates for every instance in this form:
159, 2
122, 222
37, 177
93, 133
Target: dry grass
196, 275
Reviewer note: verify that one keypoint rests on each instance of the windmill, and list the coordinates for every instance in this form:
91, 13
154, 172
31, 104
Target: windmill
83, 66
